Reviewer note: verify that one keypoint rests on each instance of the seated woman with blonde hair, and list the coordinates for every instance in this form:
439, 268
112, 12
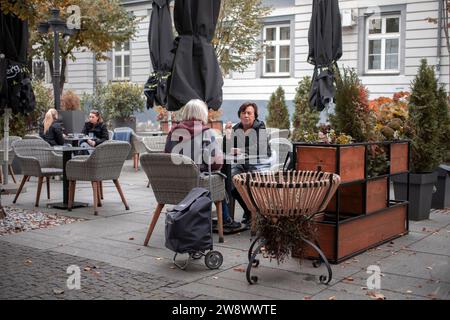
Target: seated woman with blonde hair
51, 131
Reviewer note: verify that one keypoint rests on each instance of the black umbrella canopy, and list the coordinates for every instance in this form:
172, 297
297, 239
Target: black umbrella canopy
160, 42
196, 73
325, 48
15, 85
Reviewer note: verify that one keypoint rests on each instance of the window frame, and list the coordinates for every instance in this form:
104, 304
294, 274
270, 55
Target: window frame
383, 36
277, 43
122, 53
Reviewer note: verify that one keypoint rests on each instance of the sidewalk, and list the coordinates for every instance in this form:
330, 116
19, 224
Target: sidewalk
34, 263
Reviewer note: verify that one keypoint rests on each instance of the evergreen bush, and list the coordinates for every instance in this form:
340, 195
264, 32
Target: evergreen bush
278, 116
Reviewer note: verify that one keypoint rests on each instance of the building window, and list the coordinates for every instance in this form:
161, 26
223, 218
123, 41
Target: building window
277, 57
121, 61
383, 44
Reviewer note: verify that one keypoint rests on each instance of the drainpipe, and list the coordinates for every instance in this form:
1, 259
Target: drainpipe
439, 39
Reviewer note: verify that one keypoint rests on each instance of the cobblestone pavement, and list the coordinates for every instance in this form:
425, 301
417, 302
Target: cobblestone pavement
28, 273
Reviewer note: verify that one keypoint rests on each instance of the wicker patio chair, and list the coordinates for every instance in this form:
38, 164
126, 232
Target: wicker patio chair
137, 145
285, 194
172, 182
155, 144
36, 162
282, 147
11, 156
105, 163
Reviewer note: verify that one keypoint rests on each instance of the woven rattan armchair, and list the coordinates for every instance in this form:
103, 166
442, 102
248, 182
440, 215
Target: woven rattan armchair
36, 161
155, 144
172, 180
11, 156
137, 145
288, 194
105, 163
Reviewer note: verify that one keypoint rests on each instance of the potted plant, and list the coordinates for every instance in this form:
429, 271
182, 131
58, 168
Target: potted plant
122, 100
359, 215
71, 115
163, 118
425, 134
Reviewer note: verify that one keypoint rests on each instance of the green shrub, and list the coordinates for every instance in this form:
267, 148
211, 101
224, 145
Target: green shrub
353, 115
304, 119
278, 116
426, 107
123, 99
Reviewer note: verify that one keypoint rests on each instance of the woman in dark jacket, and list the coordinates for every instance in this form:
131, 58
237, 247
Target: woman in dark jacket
95, 128
51, 131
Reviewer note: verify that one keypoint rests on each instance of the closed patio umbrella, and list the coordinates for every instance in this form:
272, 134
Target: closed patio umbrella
195, 73
16, 93
325, 48
160, 42
15, 85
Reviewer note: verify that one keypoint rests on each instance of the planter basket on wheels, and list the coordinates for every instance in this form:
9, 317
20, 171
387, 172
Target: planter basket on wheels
288, 194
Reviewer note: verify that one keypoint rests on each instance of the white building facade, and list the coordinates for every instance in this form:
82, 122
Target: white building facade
384, 40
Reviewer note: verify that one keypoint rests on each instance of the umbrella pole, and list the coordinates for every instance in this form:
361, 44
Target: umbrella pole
5, 159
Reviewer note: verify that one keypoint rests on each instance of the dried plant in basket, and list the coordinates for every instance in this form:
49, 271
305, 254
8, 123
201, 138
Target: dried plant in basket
287, 203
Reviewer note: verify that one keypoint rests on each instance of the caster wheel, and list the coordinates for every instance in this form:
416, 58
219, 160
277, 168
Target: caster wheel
323, 279
254, 279
213, 260
197, 255
255, 263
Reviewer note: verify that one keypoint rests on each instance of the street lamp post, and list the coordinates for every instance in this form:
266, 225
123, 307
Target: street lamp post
57, 25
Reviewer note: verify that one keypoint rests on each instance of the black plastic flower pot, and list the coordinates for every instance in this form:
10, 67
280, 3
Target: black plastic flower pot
441, 198
420, 193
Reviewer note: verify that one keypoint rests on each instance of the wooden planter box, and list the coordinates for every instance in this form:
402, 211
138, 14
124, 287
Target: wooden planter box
347, 161
359, 234
366, 217
352, 197
399, 157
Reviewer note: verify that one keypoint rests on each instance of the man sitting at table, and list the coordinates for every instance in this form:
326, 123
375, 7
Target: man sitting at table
94, 128
247, 139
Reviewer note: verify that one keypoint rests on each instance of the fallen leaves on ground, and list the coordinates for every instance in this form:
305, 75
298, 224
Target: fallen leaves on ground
130, 238
349, 279
20, 220
239, 269
376, 295
332, 298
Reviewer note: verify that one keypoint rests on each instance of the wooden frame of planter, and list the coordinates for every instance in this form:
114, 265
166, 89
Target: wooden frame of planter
361, 215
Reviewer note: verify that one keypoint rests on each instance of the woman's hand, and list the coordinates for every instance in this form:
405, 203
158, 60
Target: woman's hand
91, 143
228, 125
